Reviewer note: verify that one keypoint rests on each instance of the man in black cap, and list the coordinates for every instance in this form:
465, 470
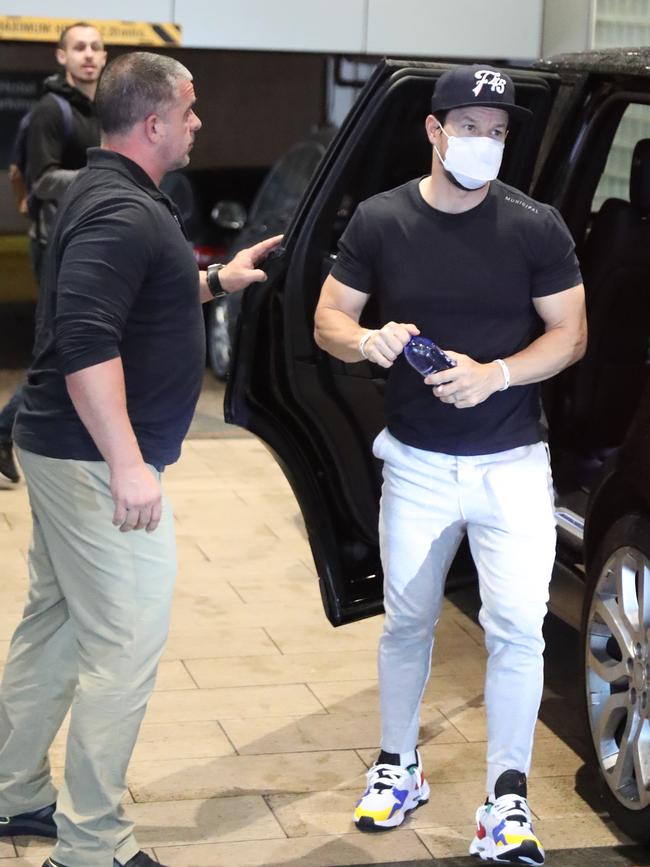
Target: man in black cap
491, 276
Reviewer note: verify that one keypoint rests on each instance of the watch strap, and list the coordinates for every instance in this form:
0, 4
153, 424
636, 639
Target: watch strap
214, 283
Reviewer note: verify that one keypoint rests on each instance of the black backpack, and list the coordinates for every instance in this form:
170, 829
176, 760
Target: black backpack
26, 201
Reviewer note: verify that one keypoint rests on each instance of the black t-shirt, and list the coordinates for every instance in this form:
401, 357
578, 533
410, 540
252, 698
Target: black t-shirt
467, 281
119, 279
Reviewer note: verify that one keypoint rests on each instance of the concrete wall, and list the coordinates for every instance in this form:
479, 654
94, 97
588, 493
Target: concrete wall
465, 28
568, 26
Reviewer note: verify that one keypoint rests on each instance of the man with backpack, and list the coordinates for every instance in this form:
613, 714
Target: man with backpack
49, 151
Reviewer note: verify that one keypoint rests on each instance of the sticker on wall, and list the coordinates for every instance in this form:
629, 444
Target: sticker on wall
27, 29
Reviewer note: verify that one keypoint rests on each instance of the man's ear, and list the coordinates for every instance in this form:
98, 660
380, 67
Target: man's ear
432, 127
152, 127
60, 56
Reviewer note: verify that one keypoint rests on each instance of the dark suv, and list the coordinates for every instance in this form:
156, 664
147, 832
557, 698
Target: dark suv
587, 151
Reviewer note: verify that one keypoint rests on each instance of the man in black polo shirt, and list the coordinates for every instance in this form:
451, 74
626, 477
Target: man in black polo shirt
491, 276
118, 369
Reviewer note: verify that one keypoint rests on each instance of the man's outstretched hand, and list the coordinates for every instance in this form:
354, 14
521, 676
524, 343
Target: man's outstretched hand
248, 265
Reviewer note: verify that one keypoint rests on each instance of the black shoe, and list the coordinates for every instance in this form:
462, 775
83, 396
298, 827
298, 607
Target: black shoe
8, 468
139, 860
38, 823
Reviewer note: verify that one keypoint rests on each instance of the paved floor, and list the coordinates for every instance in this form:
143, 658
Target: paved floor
264, 718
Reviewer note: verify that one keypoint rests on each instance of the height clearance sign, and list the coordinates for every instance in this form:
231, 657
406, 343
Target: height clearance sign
26, 29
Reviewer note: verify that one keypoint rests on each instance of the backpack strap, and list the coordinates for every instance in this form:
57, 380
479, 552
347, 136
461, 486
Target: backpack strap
18, 150
66, 111
33, 203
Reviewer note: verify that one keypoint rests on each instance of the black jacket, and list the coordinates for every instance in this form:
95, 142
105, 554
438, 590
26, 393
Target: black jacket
53, 159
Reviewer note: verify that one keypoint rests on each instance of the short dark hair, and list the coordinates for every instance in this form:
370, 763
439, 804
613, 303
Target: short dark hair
441, 116
66, 30
135, 85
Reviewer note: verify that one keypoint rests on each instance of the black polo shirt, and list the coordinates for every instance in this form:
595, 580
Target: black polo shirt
119, 279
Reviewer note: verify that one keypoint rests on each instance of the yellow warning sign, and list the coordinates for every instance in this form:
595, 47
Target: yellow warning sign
24, 28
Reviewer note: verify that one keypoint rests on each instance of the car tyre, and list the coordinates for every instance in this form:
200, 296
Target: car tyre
616, 671
218, 337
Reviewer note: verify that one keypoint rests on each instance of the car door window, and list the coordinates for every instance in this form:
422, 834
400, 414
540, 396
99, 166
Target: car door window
614, 182
285, 184
609, 214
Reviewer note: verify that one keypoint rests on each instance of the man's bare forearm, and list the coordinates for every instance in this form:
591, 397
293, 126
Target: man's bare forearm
338, 334
99, 397
555, 350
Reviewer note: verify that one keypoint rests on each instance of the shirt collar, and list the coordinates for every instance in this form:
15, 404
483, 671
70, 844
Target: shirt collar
101, 158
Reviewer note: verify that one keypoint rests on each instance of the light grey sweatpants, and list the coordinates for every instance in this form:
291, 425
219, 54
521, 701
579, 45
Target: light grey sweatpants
504, 502
92, 633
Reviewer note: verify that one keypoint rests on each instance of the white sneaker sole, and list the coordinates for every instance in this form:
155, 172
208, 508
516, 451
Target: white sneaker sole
487, 850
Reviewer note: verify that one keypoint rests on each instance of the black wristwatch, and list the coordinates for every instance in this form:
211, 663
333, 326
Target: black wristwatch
214, 283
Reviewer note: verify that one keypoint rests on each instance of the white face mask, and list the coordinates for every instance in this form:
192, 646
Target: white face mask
472, 160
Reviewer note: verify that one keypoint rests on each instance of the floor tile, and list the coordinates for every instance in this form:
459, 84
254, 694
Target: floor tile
334, 731
557, 797
579, 831
449, 842
188, 779
172, 674
446, 692
189, 739
352, 637
215, 820
287, 668
301, 852
226, 641
239, 701
7, 849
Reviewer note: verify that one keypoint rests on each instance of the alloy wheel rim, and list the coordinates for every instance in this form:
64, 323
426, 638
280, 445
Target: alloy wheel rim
618, 675
220, 337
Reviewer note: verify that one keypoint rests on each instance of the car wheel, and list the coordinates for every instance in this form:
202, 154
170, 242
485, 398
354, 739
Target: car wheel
616, 666
218, 337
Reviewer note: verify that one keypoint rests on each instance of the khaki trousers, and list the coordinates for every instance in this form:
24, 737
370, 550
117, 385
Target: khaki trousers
92, 633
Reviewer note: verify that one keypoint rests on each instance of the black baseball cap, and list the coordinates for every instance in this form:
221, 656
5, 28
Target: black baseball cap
477, 85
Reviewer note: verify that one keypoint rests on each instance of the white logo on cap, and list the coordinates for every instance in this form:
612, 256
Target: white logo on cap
485, 77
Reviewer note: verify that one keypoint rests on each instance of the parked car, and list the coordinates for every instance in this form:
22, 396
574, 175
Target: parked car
269, 214
213, 204
589, 139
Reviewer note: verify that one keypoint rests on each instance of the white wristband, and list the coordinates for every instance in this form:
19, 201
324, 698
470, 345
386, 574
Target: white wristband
505, 372
362, 343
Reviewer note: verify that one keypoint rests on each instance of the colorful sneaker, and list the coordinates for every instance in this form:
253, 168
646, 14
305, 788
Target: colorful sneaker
504, 830
392, 792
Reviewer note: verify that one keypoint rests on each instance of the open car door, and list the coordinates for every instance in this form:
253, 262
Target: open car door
316, 414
